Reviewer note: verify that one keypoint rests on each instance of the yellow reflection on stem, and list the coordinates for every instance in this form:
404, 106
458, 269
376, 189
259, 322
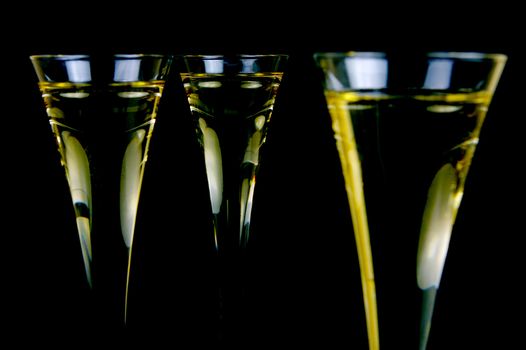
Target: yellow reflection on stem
352, 172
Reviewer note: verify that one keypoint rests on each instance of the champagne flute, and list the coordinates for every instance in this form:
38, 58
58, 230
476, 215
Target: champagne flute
231, 99
406, 129
102, 112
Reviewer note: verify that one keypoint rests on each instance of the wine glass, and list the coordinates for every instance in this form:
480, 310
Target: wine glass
406, 129
231, 99
102, 112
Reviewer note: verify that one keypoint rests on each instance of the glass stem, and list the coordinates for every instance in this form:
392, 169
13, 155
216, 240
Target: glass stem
231, 236
127, 284
352, 172
428, 305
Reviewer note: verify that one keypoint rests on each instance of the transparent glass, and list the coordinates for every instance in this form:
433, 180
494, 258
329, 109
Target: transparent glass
406, 129
102, 112
231, 99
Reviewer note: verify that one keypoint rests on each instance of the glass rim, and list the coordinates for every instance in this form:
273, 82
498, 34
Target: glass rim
460, 55
72, 57
234, 55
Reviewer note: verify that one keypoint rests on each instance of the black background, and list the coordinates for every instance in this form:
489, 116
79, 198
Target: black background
304, 288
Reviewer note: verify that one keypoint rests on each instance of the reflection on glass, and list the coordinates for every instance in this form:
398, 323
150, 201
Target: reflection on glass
102, 115
406, 129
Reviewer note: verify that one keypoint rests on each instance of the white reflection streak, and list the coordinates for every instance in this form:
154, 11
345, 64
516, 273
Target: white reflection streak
78, 71
254, 142
248, 65
248, 184
438, 76
213, 66
213, 164
130, 185
78, 174
127, 70
437, 225
367, 72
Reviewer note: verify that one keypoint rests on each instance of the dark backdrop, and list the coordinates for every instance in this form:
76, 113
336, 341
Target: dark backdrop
304, 284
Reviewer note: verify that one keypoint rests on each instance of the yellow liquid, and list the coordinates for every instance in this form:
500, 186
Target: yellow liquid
364, 126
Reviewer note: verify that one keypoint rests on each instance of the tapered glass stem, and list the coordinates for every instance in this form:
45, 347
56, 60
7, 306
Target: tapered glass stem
428, 305
352, 171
